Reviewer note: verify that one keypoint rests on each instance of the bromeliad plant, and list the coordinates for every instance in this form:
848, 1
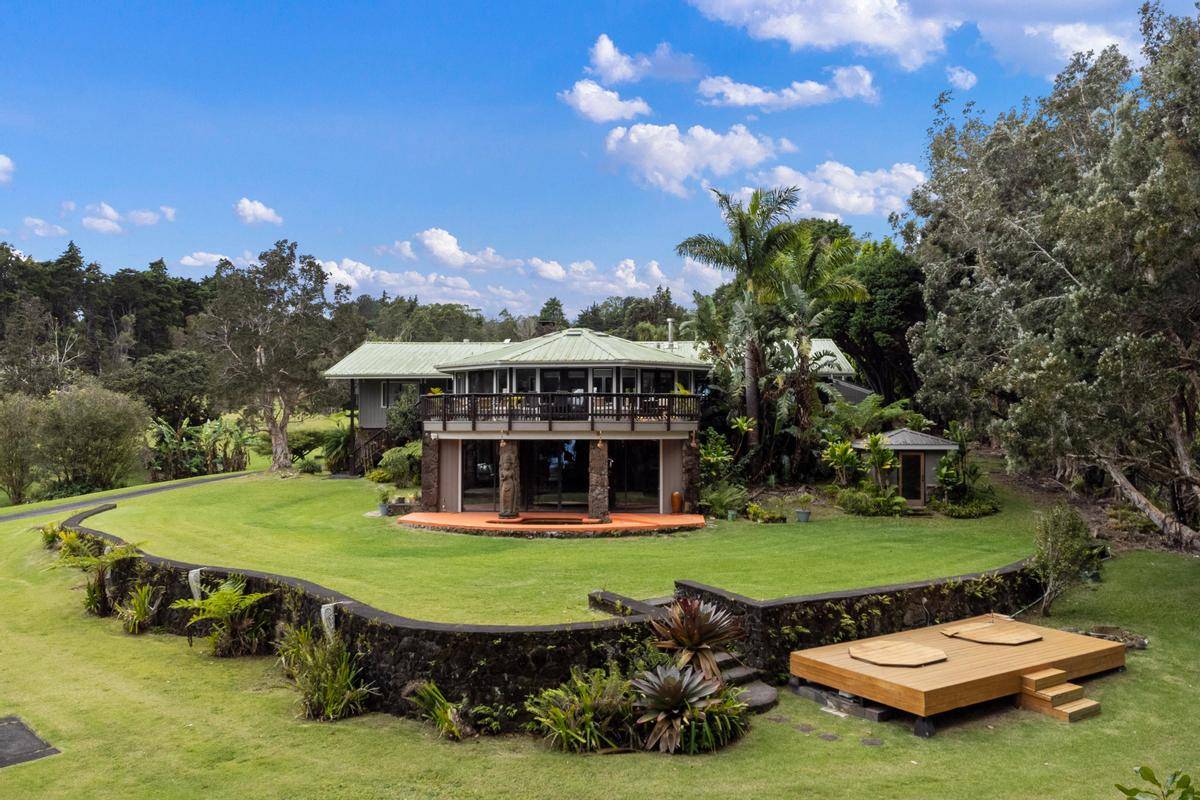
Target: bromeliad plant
688, 711
592, 711
139, 609
238, 626
698, 632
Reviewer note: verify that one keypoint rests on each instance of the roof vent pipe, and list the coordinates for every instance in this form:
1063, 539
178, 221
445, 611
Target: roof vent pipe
671, 332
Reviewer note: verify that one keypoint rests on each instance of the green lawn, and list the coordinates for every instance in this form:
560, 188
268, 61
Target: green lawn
314, 528
149, 717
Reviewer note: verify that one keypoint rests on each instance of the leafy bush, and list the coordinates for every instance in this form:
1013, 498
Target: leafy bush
378, 476
325, 672
1063, 547
447, 717
137, 611
338, 447
969, 509
404, 415
493, 719
307, 466
870, 501
183, 450
592, 711
688, 712
20, 418
766, 513
716, 458
173, 384
1177, 786
722, 498
698, 632
842, 458
238, 627
402, 465
51, 535
79, 552
92, 437
302, 442
1129, 519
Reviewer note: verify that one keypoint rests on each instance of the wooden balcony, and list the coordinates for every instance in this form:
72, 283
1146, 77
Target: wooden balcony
562, 411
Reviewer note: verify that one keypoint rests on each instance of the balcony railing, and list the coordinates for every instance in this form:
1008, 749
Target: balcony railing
550, 407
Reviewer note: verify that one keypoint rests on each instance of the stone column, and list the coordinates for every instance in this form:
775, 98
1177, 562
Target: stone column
598, 480
431, 474
510, 479
691, 475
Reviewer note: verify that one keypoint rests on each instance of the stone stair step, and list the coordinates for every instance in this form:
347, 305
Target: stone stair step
1043, 678
1076, 710
660, 602
725, 659
736, 676
759, 697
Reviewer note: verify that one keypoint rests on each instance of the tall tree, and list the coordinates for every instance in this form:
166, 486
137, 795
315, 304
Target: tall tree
1062, 268
551, 318
270, 331
759, 231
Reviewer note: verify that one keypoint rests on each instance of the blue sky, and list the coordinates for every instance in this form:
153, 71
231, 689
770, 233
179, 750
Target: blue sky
490, 153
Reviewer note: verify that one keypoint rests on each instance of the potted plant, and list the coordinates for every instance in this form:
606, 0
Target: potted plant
385, 497
804, 507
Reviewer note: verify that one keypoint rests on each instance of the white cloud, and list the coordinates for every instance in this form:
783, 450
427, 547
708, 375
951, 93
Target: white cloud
550, 270
168, 213
41, 228
878, 26
833, 189
430, 287
848, 83
443, 246
601, 105
102, 225
401, 249
253, 212
518, 300
66, 207
1067, 39
104, 211
201, 259
961, 78
7, 168
662, 157
143, 217
701, 276
582, 269
611, 66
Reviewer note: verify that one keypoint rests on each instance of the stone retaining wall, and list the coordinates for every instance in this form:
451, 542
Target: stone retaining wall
485, 664
774, 628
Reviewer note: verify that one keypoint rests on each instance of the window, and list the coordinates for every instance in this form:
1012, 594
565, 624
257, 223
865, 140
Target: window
481, 382
526, 380
390, 391
658, 381
502, 380
460, 383
551, 380
602, 381
629, 380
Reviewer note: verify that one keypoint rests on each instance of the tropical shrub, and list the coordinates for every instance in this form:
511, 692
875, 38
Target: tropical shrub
842, 458
51, 535
338, 448
402, 465
71, 544
302, 442
185, 450
871, 501
721, 498
687, 711
716, 458
139, 608
973, 508
1063, 547
448, 718
237, 625
493, 719
326, 673
592, 711
78, 552
378, 476
92, 438
307, 466
20, 418
697, 632
1177, 786
404, 415
880, 459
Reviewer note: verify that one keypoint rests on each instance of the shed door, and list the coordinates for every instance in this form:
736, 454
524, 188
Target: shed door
912, 477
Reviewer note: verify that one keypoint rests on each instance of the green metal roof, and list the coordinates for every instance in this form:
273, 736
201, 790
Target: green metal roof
576, 346
415, 360
404, 359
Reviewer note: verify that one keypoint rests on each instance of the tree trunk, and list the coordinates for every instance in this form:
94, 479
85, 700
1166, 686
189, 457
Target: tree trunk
1183, 457
277, 426
751, 369
1175, 531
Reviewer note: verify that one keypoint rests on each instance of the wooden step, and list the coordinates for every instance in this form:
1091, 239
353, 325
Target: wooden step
1045, 700
1041, 679
1076, 710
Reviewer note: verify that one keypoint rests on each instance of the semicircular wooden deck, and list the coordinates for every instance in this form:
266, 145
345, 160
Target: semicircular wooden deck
562, 525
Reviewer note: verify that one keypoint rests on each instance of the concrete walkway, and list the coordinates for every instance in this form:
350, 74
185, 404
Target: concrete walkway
73, 505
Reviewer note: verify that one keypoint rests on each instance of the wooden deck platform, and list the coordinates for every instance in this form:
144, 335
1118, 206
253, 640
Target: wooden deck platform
559, 525
972, 672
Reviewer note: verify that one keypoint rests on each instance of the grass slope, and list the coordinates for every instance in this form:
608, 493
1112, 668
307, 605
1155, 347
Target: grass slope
314, 528
149, 717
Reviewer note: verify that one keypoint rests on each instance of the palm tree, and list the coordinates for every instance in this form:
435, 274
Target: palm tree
759, 232
820, 268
